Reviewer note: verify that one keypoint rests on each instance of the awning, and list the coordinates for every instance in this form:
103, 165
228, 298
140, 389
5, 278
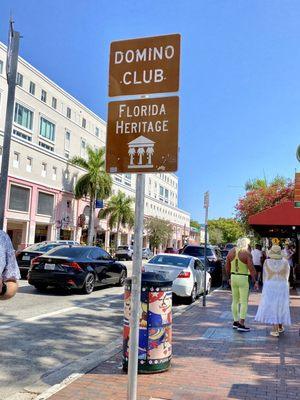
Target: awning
281, 220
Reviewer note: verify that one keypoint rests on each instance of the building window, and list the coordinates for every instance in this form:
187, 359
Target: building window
83, 148
23, 116
84, 123
44, 170
16, 160
32, 88
97, 132
166, 196
45, 204
68, 112
22, 135
161, 193
19, 198
67, 155
47, 129
29, 164
127, 179
118, 178
19, 80
46, 146
1, 66
67, 140
44, 95
54, 173
54, 102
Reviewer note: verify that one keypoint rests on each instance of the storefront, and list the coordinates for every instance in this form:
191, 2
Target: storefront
281, 221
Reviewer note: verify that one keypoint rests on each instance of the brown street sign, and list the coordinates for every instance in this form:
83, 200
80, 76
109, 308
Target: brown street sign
144, 66
142, 135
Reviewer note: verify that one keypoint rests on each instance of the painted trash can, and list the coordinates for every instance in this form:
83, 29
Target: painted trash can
155, 327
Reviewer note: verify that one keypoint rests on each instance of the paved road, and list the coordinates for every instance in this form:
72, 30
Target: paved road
41, 332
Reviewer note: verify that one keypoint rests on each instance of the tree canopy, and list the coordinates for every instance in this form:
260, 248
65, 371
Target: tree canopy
94, 183
259, 197
119, 211
224, 230
195, 224
159, 231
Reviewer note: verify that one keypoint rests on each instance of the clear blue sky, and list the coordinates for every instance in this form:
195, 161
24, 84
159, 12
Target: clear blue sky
240, 78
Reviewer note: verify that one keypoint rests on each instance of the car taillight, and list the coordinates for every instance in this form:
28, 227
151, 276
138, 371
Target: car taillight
73, 265
18, 252
184, 274
143, 269
35, 261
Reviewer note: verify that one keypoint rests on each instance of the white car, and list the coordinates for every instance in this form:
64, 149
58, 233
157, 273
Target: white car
186, 272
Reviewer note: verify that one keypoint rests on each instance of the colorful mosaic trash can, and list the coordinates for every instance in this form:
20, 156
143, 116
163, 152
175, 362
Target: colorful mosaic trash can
155, 332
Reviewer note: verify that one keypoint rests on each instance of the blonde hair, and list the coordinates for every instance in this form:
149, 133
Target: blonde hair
242, 244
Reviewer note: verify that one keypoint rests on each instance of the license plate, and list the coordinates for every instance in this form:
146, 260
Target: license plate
26, 258
49, 267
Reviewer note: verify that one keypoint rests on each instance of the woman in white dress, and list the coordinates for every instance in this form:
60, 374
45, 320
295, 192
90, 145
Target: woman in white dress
274, 307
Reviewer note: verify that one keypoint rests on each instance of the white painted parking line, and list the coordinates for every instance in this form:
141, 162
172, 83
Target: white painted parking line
61, 311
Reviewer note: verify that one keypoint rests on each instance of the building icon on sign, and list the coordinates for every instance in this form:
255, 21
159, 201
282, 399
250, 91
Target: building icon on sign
140, 151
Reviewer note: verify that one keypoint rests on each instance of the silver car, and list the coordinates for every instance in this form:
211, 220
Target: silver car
124, 252
186, 273
147, 253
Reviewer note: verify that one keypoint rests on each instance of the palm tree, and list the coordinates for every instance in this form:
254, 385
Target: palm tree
95, 183
120, 212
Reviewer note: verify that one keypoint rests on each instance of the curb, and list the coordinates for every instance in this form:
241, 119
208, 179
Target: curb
70, 372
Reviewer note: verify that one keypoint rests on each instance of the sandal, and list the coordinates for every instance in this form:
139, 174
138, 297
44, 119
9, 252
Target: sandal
274, 333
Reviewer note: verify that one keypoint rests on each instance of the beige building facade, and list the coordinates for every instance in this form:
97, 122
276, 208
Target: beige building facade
49, 128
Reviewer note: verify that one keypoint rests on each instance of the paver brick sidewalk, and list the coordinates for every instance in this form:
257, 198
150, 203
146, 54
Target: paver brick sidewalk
210, 361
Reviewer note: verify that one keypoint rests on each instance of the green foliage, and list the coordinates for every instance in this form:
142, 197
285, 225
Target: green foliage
94, 183
224, 230
259, 197
215, 236
119, 211
159, 231
195, 224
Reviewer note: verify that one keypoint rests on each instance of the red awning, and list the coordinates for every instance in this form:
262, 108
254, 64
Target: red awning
284, 214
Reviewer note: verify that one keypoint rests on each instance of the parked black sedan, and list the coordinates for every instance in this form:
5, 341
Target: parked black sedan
25, 256
78, 267
214, 260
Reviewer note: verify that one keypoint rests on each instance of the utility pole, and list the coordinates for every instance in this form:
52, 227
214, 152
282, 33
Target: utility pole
206, 205
11, 73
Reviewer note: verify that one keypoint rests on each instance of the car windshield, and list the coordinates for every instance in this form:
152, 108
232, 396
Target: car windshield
197, 251
169, 260
122, 247
42, 247
75, 252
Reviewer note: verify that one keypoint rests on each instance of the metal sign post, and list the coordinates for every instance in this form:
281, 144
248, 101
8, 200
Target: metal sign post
142, 137
206, 205
136, 287
11, 70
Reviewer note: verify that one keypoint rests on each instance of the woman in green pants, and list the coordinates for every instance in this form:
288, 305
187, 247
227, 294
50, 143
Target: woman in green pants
239, 267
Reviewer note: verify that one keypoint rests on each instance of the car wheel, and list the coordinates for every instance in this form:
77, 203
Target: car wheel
122, 279
41, 287
208, 286
193, 295
89, 284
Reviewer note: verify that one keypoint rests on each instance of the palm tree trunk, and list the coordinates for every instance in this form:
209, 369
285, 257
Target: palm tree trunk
118, 235
91, 221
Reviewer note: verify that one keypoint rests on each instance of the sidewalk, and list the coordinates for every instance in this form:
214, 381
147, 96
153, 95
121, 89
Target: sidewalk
210, 361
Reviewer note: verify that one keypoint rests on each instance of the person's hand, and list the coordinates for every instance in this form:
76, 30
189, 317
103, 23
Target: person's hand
256, 285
